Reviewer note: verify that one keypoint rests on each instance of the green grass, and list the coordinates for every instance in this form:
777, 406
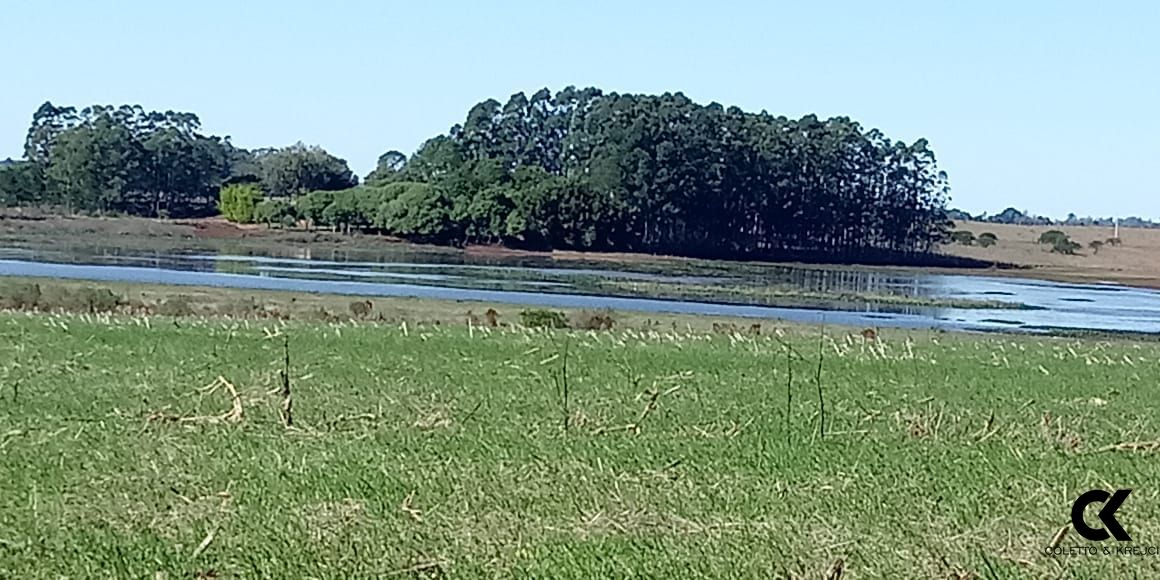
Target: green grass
426, 451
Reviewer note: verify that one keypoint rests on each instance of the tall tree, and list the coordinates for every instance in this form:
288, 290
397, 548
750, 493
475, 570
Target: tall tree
389, 168
297, 169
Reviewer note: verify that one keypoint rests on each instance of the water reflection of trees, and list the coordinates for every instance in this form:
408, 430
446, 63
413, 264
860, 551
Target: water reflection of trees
850, 281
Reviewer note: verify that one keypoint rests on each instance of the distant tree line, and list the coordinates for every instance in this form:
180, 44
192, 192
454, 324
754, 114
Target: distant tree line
124, 159
578, 169
1016, 217
582, 169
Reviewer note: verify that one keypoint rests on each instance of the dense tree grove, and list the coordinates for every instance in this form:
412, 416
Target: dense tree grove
587, 170
105, 159
579, 169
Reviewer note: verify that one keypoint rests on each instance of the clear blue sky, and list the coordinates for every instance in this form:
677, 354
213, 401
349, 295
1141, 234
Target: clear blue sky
1050, 106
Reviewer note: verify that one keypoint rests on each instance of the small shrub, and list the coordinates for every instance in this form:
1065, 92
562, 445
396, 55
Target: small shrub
85, 299
1050, 237
726, 328
1114, 242
539, 318
321, 314
55, 298
179, 305
593, 320
987, 239
95, 300
963, 237
1095, 245
245, 308
136, 306
1064, 245
20, 296
361, 308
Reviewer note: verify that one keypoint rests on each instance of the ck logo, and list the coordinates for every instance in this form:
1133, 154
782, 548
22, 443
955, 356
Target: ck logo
1106, 515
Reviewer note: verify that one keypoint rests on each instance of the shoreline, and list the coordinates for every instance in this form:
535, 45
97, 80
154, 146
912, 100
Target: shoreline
135, 299
1023, 259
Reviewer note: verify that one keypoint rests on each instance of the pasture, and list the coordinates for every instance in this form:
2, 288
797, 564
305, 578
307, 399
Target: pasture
168, 448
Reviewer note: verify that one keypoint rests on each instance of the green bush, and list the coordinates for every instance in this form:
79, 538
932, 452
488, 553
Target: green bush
311, 206
1050, 237
539, 318
1064, 245
238, 201
963, 237
275, 212
987, 239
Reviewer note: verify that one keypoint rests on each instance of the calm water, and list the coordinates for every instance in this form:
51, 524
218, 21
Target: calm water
541, 282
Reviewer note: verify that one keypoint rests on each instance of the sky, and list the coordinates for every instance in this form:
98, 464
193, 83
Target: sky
1048, 106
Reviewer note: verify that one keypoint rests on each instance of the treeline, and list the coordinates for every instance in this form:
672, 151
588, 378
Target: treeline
124, 159
579, 169
1016, 217
587, 170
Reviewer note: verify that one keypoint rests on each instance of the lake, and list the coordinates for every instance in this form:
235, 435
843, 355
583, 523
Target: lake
540, 281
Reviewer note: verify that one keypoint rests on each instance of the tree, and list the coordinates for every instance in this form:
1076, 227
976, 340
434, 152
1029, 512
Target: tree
275, 212
125, 159
238, 202
658, 173
21, 183
298, 169
390, 166
420, 212
579, 168
1050, 237
345, 211
312, 206
1064, 245
73, 170
48, 123
963, 237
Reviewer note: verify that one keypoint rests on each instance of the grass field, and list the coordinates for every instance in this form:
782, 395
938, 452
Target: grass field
156, 447
1134, 263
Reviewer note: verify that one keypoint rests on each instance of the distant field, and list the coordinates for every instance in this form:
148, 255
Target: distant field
426, 452
1136, 262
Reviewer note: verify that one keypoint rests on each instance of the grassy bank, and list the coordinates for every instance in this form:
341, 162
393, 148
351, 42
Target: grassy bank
157, 447
124, 298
